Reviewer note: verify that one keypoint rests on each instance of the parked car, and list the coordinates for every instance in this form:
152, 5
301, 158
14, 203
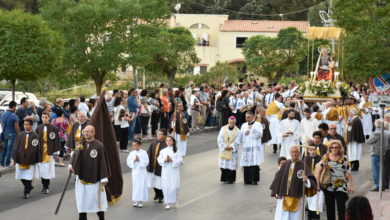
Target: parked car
6, 98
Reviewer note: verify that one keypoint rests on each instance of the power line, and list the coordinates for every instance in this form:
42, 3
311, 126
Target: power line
260, 15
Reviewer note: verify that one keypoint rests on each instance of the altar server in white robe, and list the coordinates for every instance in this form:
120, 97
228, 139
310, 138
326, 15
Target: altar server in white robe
138, 160
170, 160
274, 114
89, 164
289, 134
252, 149
307, 127
228, 148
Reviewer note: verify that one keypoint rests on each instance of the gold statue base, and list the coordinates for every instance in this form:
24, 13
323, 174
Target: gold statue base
309, 96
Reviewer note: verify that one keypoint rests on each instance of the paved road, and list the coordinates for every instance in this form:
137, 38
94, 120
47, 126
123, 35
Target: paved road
202, 196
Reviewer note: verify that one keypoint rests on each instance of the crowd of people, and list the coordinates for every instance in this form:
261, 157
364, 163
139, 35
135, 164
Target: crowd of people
311, 137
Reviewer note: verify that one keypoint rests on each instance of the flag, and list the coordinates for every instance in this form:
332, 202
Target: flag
101, 120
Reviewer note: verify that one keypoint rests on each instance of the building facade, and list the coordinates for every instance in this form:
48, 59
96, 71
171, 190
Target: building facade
220, 39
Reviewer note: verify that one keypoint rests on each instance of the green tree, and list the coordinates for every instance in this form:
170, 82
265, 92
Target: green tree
273, 57
102, 35
143, 28
221, 73
25, 5
253, 7
176, 52
366, 44
29, 49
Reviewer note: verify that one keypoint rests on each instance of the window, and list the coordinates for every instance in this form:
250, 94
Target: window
240, 42
123, 68
199, 26
203, 69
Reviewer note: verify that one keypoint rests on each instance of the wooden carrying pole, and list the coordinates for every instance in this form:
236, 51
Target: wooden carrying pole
63, 193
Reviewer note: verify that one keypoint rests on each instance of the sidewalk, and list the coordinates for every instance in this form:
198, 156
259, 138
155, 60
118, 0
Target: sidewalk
4, 170
380, 208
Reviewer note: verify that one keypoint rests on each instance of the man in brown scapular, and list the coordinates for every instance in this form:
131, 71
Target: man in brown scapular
27, 153
154, 169
90, 165
50, 143
287, 186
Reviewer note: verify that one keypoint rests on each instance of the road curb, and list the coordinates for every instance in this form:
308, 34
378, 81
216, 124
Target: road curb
6, 170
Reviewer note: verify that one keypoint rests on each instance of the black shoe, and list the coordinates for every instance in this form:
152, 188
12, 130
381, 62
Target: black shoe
160, 200
155, 197
230, 182
26, 196
247, 183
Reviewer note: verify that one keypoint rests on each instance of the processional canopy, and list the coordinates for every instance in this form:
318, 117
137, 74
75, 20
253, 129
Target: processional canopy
329, 33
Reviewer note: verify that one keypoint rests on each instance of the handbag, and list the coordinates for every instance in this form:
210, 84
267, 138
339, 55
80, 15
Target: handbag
325, 175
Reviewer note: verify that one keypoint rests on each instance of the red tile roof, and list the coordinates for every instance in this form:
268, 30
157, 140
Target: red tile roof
262, 26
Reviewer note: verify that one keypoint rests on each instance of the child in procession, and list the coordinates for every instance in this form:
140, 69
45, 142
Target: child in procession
138, 160
170, 160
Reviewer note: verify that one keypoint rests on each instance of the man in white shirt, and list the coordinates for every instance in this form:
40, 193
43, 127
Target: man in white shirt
269, 97
236, 103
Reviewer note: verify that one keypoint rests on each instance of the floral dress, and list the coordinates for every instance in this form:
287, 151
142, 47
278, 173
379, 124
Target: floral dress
62, 127
339, 170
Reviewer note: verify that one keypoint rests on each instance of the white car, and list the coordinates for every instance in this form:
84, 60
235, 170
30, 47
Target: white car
6, 98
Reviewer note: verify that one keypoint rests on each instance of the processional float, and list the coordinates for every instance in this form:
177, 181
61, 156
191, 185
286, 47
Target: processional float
325, 73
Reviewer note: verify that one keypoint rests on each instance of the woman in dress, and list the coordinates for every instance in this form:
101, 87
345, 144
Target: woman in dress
340, 184
62, 124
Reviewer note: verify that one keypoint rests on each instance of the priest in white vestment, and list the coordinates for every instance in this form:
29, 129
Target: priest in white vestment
228, 149
289, 133
138, 160
252, 149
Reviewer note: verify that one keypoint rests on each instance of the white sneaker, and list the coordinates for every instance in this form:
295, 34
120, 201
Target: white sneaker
140, 205
135, 204
168, 206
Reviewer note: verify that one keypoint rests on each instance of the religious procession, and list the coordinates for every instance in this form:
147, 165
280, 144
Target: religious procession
245, 110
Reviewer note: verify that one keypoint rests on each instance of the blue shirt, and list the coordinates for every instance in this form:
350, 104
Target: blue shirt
22, 113
8, 120
132, 104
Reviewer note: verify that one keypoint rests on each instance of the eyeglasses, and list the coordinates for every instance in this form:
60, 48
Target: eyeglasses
332, 128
